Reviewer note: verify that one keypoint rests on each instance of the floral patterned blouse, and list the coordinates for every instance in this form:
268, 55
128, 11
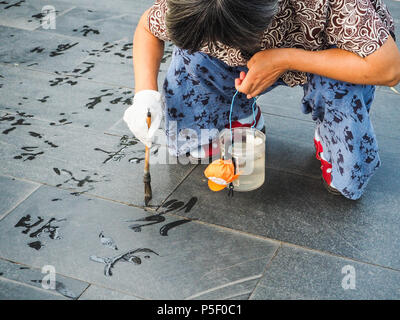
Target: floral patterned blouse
359, 26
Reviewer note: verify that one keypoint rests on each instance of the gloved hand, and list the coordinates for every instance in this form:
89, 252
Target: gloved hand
135, 116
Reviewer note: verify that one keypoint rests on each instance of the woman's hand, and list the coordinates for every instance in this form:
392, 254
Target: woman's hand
265, 67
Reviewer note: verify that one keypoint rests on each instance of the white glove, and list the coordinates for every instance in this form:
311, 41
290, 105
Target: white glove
135, 116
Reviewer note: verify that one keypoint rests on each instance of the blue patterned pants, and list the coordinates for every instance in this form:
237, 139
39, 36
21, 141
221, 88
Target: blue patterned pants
198, 90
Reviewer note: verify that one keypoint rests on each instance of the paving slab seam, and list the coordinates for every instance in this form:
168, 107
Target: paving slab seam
265, 269
113, 289
223, 227
339, 256
238, 295
58, 16
179, 183
282, 116
298, 173
77, 298
255, 277
113, 134
284, 243
232, 266
111, 17
32, 267
20, 179
16, 205
90, 195
33, 287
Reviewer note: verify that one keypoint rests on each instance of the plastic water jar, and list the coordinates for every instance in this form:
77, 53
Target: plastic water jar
246, 147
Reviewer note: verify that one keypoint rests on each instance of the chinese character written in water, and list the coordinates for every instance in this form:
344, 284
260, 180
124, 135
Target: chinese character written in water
38, 228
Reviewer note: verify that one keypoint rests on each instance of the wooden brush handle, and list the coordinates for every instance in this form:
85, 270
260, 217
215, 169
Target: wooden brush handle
147, 150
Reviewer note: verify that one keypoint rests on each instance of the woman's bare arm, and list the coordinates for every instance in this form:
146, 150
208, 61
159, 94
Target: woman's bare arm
379, 68
147, 54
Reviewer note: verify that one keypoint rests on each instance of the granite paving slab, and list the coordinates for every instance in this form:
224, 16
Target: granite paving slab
98, 293
297, 209
284, 101
113, 6
385, 115
297, 273
42, 50
96, 25
113, 64
86, 161
10, 290
67, 287
146, 254
12, 192
62, 100
28, 15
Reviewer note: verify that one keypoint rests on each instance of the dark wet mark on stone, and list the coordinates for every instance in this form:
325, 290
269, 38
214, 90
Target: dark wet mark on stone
23, 114
175, 204
29, 155
79, 182
61, 289
64, 80
44, 99
124, 143
164, 229
8, 130
51, 144
62, 48
89, 66
37, 245
172, 205
40, 136
39, 15
36, 135
86, 30
47, 228
19, 122
108, 48
17, 4
37, 49
97, 100
154, 219
39, 228
131, 256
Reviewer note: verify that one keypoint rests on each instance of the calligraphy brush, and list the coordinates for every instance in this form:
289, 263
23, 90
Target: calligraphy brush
146, 177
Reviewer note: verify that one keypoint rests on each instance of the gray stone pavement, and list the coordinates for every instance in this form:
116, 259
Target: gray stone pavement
71, 191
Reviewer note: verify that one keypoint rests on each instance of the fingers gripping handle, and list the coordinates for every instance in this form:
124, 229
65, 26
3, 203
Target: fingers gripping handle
147, 150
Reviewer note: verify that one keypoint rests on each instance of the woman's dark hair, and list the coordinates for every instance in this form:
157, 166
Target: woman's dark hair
192, 24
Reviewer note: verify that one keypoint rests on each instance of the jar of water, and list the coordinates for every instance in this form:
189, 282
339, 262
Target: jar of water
246, 147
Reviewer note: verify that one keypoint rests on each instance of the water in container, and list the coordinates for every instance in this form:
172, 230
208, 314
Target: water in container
246, 147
